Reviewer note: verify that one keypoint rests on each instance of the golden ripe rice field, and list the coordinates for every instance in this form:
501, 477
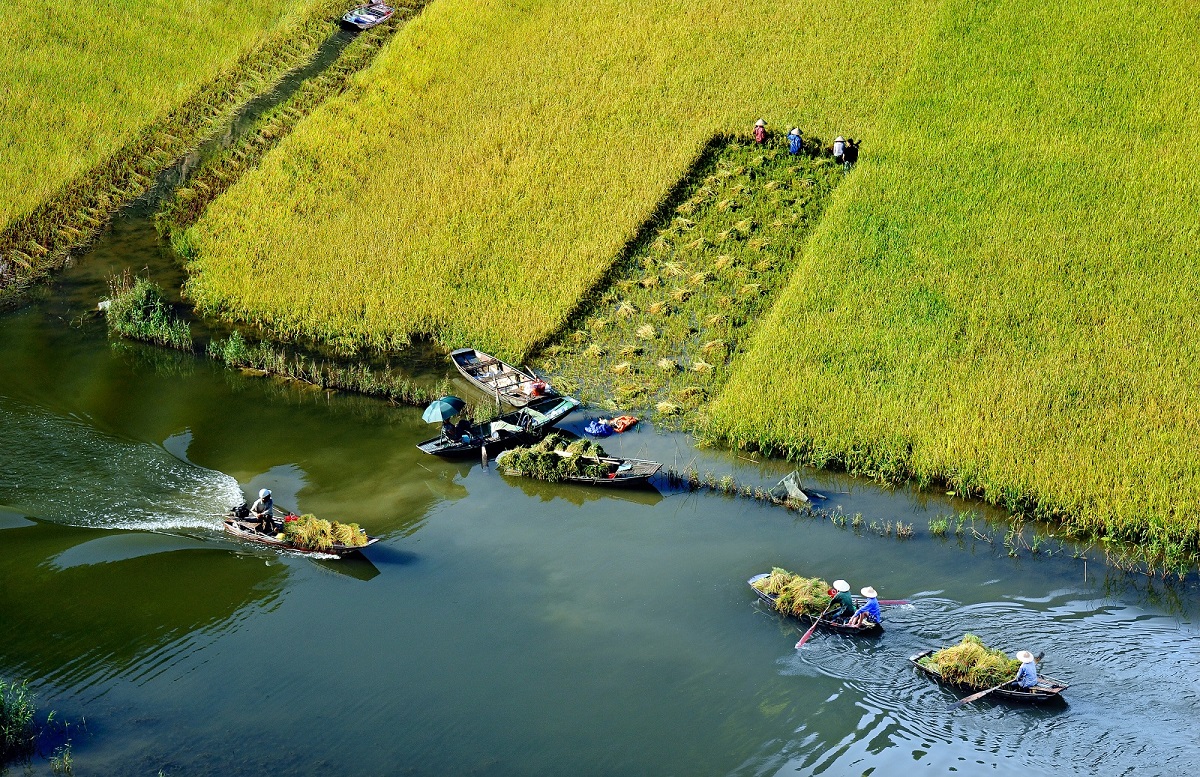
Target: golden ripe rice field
80, 80
495, 152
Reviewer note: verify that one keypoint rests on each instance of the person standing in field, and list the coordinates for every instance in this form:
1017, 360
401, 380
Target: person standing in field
839, 150
795, 142
851, 154
760, 132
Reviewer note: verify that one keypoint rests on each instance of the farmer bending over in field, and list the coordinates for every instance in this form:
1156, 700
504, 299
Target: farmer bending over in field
839, 149
851, 154
870, 610
760, 132
795, 142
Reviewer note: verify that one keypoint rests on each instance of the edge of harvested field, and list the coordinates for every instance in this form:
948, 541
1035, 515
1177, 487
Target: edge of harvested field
34, 245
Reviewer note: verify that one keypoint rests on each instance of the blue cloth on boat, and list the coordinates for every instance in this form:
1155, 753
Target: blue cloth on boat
795, 144
1027, 677
871, 608
597, 428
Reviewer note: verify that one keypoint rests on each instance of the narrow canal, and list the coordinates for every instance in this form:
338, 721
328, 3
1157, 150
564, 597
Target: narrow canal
501, 626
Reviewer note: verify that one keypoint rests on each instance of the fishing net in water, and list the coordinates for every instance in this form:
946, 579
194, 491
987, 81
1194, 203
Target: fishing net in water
795, 595
972, 663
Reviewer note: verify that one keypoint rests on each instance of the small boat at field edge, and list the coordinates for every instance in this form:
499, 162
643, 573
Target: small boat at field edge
520, 427
364, 17
867, 629
1047, 688
620, 472
492, 377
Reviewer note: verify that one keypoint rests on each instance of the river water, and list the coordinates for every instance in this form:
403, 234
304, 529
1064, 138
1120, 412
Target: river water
502, 627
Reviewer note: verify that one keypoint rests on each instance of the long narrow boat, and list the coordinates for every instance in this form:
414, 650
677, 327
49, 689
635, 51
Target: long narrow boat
529, 424
492, 376
366, 16
617, 471
867, 629
1047, 688
247, 529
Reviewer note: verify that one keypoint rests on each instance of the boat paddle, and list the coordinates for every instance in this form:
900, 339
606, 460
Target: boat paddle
813, 627
981, 694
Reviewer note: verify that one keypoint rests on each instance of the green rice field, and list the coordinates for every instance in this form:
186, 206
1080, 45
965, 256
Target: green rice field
492, 152
79, 82
997, 299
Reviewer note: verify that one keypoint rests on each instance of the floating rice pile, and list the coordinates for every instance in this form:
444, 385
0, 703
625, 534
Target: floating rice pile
972, 663
795, 595
556, 458
313, 533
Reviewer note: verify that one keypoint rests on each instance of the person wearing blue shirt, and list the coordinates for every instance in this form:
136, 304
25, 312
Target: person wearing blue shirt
868, 610
1027, 676
795, 142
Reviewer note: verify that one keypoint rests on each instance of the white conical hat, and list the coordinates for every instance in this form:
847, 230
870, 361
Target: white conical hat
841, 585
760, 123
1024, 656
839, 139
795, 131
869, 592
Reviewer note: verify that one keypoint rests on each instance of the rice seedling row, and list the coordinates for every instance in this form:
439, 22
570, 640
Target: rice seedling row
133, 142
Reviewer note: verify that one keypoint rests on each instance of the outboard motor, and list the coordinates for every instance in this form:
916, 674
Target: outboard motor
241, 511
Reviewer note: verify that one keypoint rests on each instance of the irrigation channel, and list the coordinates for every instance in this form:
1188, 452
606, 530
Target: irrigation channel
502, 626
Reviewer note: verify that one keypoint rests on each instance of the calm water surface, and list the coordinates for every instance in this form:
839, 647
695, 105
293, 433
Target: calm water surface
501, 627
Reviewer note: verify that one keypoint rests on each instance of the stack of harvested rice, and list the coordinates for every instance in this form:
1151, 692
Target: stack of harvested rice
795, 595
972, 663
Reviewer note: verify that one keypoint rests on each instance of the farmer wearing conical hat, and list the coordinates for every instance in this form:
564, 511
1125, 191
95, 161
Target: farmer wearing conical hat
795, 142
760, 132
869, 611
1027, 676
839, 149
842, 605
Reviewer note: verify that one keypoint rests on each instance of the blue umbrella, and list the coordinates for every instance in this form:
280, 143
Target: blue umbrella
442, 409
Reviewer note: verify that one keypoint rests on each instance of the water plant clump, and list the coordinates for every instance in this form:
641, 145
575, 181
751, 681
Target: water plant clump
973, 664
313, 533
136, 309
795, 595
557, 458
18, 731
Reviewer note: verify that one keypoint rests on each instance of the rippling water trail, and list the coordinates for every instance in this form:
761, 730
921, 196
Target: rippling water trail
1120, 661
64, 470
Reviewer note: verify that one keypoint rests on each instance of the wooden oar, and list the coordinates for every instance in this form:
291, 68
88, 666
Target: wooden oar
813, 627
981, 694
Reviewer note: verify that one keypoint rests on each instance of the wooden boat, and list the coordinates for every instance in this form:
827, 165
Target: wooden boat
521, 427
247, 529
1047, 688
366, 16
620, 472
867, 629
492, 376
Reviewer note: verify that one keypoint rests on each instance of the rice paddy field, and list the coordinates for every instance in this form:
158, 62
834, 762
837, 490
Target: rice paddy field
79, 82
998, 298
494, 152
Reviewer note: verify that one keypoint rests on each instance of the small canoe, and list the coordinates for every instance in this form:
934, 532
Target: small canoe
366, 16
867, 629
1047, 688
620, 472
492, 376
521, 427
247, 529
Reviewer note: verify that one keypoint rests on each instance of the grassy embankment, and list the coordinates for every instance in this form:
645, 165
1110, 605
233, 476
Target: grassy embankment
94, 101
1002, 298
485, 171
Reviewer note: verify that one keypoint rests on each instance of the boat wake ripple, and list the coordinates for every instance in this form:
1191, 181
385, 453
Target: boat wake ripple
62, 469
